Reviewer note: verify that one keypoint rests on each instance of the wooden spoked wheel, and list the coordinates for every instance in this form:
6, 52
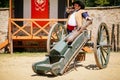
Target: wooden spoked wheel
57, 32
102, 46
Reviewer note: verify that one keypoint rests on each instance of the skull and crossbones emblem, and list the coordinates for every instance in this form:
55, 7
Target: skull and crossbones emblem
40, 5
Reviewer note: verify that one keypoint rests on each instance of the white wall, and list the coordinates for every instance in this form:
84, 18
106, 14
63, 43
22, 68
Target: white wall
53, 8
27, 9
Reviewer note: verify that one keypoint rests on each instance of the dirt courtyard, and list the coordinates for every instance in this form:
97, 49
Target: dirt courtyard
14, 67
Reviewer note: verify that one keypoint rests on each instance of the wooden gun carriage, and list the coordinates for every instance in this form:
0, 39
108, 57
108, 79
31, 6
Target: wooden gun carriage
61, 53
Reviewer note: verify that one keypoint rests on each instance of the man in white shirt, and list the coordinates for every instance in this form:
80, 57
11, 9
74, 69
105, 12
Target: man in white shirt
75, 16
75, 19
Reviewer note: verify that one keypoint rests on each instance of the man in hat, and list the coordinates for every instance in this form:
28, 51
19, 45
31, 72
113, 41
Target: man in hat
75, 16
75, 19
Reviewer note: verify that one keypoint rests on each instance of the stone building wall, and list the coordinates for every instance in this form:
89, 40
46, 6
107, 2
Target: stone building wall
109, 15
4, 15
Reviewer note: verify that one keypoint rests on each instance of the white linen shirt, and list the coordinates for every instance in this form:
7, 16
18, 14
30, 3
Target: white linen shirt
72, 21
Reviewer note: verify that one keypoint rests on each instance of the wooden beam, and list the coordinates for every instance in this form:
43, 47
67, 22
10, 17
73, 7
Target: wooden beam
29, 37
3, 44
68, 3
118, 33
21, 19
10, 8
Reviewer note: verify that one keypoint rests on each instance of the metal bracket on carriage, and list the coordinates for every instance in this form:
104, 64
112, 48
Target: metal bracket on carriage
60, 56
90, 44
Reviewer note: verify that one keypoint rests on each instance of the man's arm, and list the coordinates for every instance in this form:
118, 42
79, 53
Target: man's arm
88, 21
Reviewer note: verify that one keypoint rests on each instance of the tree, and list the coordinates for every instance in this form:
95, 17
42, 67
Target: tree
4, 3
90, 3
102, 2
114, 2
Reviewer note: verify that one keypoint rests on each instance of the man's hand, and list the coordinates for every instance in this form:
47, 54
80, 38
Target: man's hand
69, 9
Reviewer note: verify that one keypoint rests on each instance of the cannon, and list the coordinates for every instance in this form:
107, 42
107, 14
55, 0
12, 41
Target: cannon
62, 53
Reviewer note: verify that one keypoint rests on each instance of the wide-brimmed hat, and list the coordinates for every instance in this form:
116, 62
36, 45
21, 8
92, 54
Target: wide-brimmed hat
80, 3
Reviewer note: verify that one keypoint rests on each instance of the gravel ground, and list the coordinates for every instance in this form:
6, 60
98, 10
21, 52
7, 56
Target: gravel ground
19, 68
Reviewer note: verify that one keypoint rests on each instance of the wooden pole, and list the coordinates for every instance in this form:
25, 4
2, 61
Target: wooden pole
118, 35
115, 43
112, 37
72, 0
9, 28
10, 8
67, 3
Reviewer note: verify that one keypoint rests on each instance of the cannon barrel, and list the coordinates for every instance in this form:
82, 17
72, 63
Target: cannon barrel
62, 54
76, 32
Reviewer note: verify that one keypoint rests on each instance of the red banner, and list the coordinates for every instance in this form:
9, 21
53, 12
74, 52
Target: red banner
40, 10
